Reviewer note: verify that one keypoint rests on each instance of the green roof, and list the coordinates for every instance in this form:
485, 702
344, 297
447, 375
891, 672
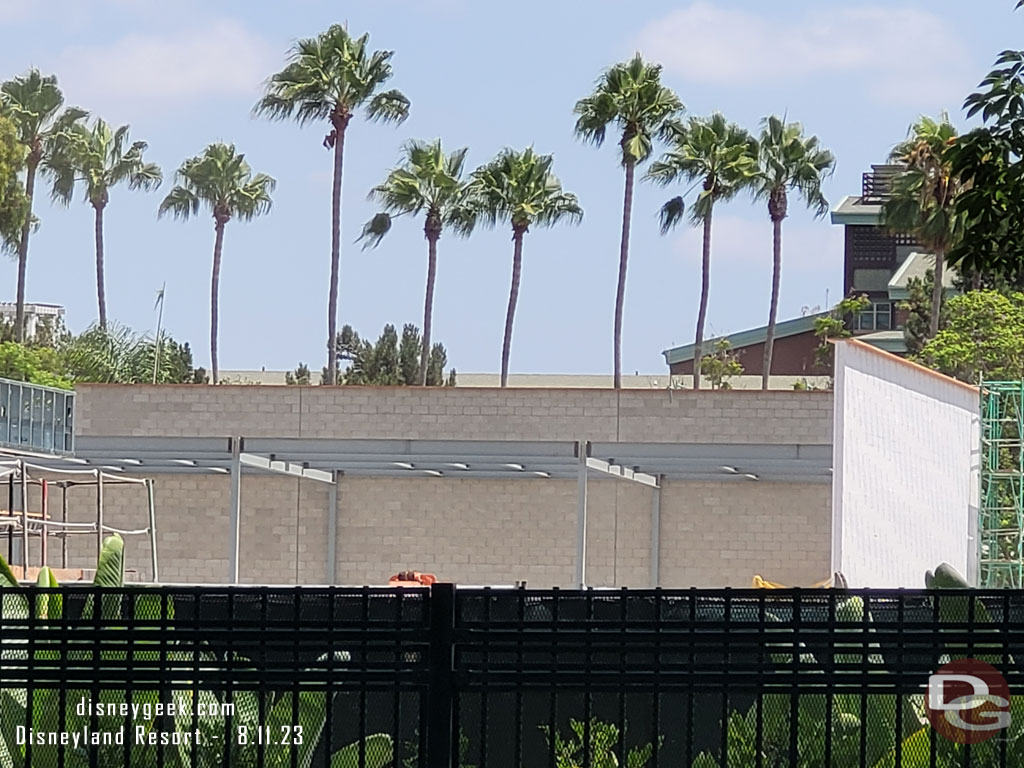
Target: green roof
852, 211
747, 338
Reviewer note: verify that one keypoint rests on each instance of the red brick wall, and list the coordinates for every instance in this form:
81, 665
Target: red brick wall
791, 356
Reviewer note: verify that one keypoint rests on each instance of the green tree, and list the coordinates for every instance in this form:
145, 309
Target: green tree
982, 338
430, 183
330, 77
629, 97
300, 376
918, 307
519, 188
35, 365
393, 360
33, 103
924, 197
118, 355
836, 325
989, 161
221, 180
13, 203
721, 365
100, 158
721, 158
787, 160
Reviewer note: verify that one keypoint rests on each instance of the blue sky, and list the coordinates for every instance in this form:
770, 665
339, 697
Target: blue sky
187, 73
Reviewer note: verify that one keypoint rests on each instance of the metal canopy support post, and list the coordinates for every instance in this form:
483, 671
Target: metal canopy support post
236, 507
99, 513
656, 535
582, 448
332, 528
64, 519
24, 518
152, 529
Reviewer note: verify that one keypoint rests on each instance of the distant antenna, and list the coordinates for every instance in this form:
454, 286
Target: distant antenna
159, 322
826, 297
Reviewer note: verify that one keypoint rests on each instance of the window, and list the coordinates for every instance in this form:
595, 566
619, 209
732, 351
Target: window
878, 317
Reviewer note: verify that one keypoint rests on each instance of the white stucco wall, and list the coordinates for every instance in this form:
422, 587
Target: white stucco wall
906, 463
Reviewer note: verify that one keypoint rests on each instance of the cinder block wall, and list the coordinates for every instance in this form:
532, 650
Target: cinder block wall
469, 531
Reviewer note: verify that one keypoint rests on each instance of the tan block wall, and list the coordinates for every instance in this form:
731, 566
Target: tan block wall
455, 413
471, 531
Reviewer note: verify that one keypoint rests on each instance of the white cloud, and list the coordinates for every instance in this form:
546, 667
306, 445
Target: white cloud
221, 58
902, 55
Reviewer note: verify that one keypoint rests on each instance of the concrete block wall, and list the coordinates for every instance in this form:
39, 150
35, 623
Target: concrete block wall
471, 531
454, 413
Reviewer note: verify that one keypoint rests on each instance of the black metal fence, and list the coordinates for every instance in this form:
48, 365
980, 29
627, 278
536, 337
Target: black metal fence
442, 677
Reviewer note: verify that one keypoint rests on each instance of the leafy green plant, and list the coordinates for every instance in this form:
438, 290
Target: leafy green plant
721, 365
597, 751
836, 325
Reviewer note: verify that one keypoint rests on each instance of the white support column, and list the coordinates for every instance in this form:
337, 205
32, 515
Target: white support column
656, 534
582, 447
332, 528
236, 509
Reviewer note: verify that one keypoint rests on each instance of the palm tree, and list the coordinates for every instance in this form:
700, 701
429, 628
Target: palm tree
33, 102
221, 180
787, 160
630, 97
427, 182
329, 77
518, 188
719, 156
100, 158
924, 196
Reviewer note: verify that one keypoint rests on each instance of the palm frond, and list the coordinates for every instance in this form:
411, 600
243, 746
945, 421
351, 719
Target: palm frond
330, 76
519, 188
374, 230
180, 202
388, 107
630, 97
671, 214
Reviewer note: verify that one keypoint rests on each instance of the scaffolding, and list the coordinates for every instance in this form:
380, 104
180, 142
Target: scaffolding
24, 524
1001, 517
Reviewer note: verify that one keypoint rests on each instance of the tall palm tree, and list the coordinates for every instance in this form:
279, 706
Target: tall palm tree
100, 158
721, 158
924, 196
787, 160
519, 188
330, 77
33, 102
427, 182
630, 97
221, 180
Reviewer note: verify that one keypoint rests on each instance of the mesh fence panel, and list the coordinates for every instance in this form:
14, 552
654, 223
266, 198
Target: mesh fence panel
374, 678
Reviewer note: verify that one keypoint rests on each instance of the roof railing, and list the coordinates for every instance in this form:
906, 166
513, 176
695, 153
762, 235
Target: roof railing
35, 418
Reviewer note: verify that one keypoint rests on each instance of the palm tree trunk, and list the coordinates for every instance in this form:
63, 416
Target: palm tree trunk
773, 308
513, 297
428, 305
19, 317
702, 313
620, 292
933, 329
332, 301
101, 293
218, 247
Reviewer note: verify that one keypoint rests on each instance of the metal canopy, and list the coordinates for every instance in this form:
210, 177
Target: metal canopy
327, 459
316, 458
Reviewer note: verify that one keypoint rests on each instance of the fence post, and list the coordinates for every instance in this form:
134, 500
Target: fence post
441, 691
